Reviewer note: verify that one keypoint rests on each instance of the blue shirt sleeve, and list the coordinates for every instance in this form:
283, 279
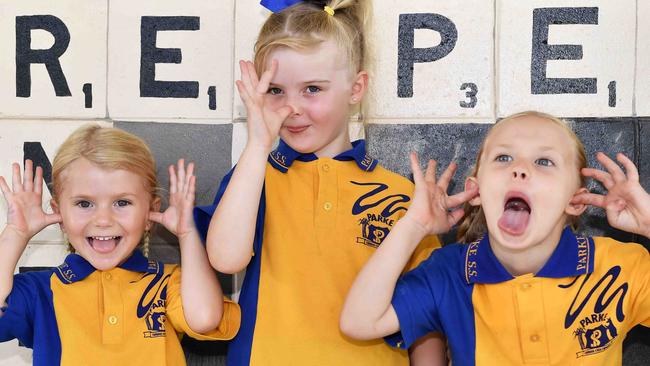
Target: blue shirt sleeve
416, 305
203, 214
17, 321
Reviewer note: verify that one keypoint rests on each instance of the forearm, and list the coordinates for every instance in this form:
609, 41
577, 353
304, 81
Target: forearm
367, 312
430, 350
201, 293
232, 229
12, 245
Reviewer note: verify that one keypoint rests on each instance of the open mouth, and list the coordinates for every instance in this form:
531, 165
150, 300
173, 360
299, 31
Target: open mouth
103, 244
516, 214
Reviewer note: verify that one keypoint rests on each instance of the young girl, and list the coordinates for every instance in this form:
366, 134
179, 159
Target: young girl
107, 304
302, 219
524, 288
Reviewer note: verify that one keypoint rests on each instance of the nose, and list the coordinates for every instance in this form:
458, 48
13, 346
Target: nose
520, 171
294, 102
103, 217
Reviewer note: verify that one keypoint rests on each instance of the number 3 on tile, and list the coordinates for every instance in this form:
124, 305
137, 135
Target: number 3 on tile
470, 93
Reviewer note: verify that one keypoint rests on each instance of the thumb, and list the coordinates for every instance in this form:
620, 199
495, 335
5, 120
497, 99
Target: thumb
156, 216
284, 112
53, 218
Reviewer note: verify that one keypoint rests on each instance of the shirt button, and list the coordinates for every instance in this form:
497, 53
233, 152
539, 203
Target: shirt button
327, 206
525, 286
326, 168
534, 338
108, 276
112, 320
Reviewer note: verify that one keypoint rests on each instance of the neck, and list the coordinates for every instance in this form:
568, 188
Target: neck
529, 260
335, 147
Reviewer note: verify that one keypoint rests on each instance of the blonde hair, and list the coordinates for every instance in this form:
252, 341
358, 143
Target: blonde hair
473, 224
107, 148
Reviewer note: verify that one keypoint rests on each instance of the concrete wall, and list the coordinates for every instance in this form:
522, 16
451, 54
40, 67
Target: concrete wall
444, 71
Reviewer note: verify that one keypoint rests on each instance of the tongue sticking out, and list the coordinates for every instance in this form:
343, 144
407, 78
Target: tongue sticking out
515, 217
104, 245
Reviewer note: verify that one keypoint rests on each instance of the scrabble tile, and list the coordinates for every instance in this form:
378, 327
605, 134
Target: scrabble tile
566, 57
170, 59
432, 59
53, 62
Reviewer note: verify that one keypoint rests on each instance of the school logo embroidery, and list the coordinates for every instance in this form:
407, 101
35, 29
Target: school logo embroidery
597, 330
375, 226
153, 311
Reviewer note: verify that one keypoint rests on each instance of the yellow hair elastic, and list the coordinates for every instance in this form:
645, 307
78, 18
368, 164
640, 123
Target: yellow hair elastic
329, 10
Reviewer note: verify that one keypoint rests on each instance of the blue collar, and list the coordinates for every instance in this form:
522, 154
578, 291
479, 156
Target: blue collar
282, 157
76, 268
573, 256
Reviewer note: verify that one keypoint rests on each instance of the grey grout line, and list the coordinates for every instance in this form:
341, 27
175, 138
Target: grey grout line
636, 57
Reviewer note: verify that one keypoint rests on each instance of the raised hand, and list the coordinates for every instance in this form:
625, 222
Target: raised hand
432, 208
626, 203
263, 122
25, 213
178, 218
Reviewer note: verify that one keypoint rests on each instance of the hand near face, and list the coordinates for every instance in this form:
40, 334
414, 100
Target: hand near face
25, 212
178, 218
432, 208
626, 203
263, 122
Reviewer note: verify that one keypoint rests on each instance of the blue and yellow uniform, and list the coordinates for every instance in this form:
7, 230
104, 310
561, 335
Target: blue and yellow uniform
130, 315
575, 311
319, 221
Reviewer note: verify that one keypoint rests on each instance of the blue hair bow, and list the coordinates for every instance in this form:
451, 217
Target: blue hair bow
278, 5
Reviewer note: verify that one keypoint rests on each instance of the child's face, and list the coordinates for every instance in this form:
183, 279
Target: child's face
527, 176
320, 87
105, 212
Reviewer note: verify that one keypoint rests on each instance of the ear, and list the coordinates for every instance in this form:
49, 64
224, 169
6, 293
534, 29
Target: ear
576, 209
359, 87
155, 207
470, 183
56, 210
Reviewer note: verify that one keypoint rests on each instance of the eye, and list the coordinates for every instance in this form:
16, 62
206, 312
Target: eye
312, 89
83, 204
544, 162
503, 158
122, 203
274, 91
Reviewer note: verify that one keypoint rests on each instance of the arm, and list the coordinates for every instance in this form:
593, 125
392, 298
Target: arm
367, 312
25, 218
626, 203
201, 293
232, 229
430, 350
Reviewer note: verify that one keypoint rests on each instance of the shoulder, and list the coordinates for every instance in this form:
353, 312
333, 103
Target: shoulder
446, 260
608, 248
34, 279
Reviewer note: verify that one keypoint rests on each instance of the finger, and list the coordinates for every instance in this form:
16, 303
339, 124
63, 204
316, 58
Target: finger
446, 176
252, 72
430, 173
267, 76
246, 81
38, 180
603, 177
454, 216
611, 166
243, 94
16, 184
188, 177
156, 216
593, 199
191, 189
630, 169
462, 197
6, 191
418, 177
53, 218
180, 180
172, 180
28, 177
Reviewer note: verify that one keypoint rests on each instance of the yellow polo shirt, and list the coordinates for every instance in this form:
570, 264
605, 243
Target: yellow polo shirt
320, 220
575, 311
130, 315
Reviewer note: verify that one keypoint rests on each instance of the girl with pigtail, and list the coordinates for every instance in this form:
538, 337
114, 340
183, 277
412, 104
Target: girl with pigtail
302, 218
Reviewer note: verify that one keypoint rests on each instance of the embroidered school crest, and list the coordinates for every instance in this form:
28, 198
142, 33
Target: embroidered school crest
595, 334
376, 210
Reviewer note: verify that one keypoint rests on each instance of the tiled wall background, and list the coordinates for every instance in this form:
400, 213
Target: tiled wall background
443, 71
